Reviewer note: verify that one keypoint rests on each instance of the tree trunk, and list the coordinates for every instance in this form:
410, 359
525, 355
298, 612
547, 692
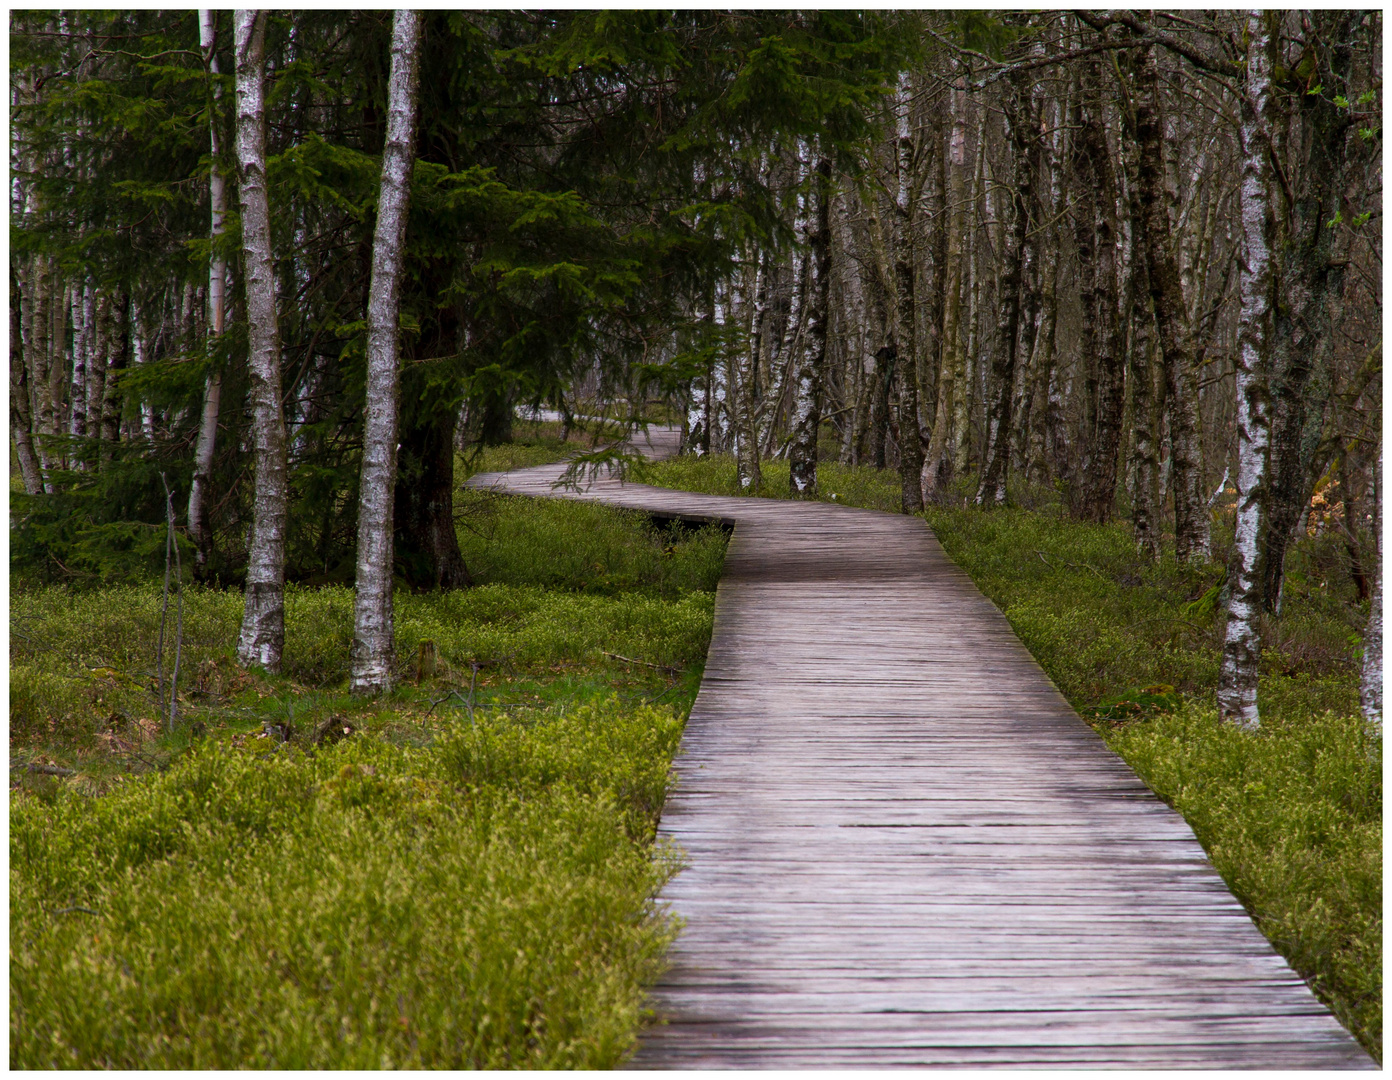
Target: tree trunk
117, 360
1100, 468
373, 625
1310, 274
1144, 464
747, 462
966, 380
939, 463
905, 336
1370, 686
40, 359
807, 388
82, 348
217, 275
1237, 681
1171, 317
996, 460
262, 638
21, 421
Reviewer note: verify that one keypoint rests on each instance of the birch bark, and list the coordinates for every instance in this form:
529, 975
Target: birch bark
1237, 680
217, 276
807, 388
747, 458
909, 185
77, 387
1370, 686
373, 622
262, 638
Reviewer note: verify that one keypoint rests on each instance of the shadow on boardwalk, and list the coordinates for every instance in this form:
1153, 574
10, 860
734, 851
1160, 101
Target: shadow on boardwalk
905, 847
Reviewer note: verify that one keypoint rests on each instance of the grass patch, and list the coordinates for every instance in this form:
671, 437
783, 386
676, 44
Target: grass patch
1290, 817
460, 874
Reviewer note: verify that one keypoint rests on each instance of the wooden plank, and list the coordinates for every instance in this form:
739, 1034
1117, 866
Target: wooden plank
904, 848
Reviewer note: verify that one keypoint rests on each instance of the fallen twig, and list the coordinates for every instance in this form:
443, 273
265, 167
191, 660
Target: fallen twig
630, 660
45, 770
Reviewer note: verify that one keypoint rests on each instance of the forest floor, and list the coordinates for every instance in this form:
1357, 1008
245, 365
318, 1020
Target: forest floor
1290, 817
460, 874
467, 880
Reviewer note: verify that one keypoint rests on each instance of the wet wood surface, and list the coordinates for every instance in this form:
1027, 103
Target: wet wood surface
903, 846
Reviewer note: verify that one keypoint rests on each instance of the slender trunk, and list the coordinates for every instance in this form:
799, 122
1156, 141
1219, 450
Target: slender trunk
1144, 466
373, 623
82, 331
139, 342
98, 359
1237, 680
1171, 317
939, 465
1310, 273
206, 446
966, 382
859, 361
40, 358
1042, 363
996, 460
1370, 686
117, 359
720, 374
807, 390
905, 336
21, 422
262, 638
747, 464
1100, 470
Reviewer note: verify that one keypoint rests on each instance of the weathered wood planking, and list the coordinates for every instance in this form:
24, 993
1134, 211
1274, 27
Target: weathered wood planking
904, 846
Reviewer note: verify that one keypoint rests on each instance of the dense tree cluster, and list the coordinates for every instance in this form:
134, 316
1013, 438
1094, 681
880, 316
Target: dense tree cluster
1132, 256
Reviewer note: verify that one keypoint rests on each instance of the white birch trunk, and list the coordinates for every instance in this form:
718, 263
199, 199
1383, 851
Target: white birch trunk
747, 463
77, 385
1237, 681
1370, 686
217, 277
720, 378
373, 623
262, 638
807, 386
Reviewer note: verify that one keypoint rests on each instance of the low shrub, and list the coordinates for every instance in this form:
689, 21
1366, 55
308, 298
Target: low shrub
364, 906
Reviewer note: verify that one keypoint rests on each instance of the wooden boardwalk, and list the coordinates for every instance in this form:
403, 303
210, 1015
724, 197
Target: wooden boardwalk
905, 848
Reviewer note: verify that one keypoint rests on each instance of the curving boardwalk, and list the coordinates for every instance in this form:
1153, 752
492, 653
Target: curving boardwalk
904, 846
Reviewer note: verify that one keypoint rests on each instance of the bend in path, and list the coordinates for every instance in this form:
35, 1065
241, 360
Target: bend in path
904, 846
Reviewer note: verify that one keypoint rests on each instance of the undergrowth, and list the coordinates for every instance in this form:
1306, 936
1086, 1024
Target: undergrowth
1290, 817
459, 874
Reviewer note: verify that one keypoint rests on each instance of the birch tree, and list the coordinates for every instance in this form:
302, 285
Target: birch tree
262, 638
807, 385
373, 627
1237, 682
217, 276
